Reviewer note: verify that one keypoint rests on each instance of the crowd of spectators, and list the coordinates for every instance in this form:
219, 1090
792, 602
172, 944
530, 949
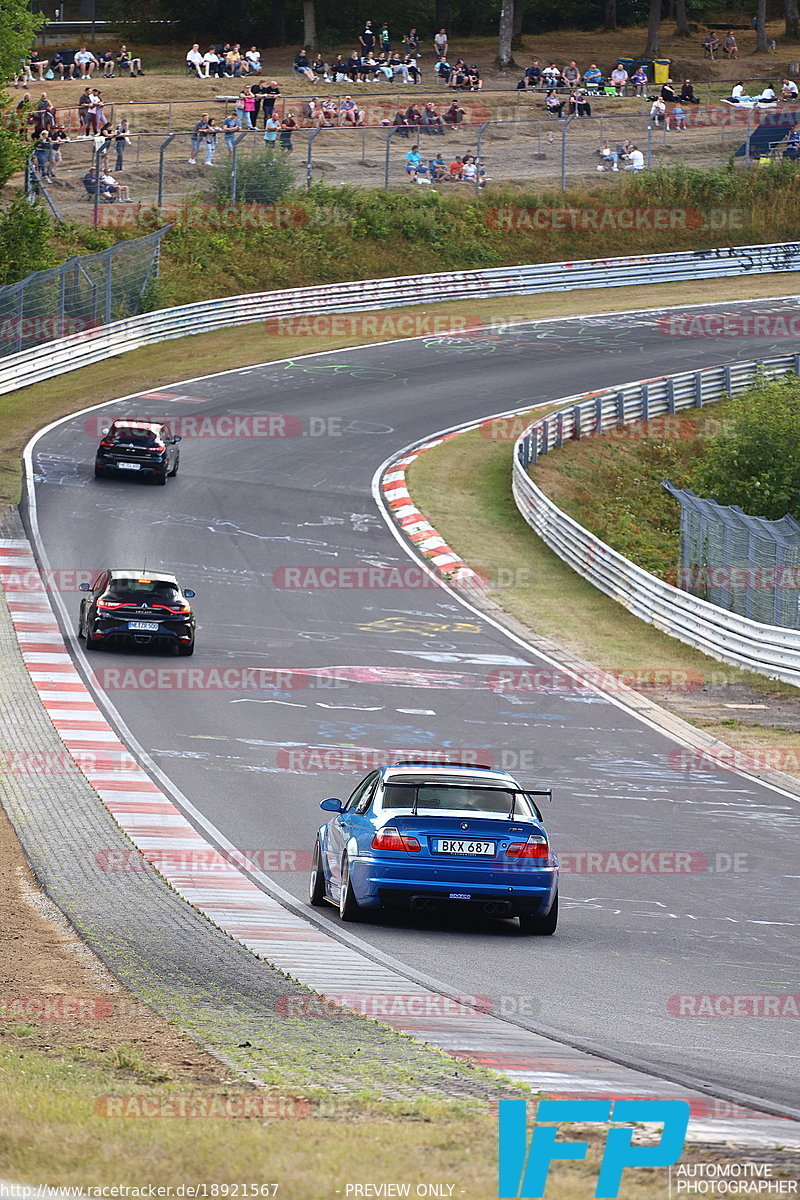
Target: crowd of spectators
77, 64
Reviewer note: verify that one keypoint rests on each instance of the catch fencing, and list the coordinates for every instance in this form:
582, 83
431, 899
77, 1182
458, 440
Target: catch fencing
749, 565
511, 143
723, 635
80, 295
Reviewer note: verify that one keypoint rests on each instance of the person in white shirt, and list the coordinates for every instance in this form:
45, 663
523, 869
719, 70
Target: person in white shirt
253, 60
789, 90
86, 61
212, 63
768, 95
195, 60
635, 160
440, 43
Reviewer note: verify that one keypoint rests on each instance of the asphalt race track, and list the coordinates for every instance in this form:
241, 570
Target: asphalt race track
244, 508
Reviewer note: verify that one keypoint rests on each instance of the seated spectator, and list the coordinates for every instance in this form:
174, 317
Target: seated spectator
458, 74
729, 47
369, 68
789, 90
639, 80
413, 115
39, 65
234, 63
551, 76
354, 67
469, 172
86, 62
454, 115
95, 187
398, 67
532, 77
609, 158
310, 112
414, 166
593, 76
253, 60
677, 118
116, 191
711, 46
301, 65
456, 169
668, 92
431, 122
320, 69
437, 168
579, 105
329, 115
571, 75
687, 93
350, 113
400, 123
106, 60
338, 70
126, 59
619, 79
738, 93
213, 64
196, 62
768, 95
475, 81
443, 70
658, 112
59, 66
410, 64
635, 160
554, 106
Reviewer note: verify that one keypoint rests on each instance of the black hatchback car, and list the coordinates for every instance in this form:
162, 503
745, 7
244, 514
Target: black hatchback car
143, 448
137, 608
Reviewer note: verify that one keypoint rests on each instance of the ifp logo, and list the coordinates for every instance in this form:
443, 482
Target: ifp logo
523, 1169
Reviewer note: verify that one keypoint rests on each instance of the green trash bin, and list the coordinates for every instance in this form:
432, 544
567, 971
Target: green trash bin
661, 69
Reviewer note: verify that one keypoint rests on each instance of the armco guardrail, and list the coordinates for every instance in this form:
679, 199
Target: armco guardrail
68, 354
723, 635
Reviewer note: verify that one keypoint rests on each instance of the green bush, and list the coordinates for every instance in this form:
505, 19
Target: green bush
24, 240
755, 463
260, 178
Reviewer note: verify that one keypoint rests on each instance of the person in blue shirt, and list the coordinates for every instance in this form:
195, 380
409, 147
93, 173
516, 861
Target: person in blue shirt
438, 167
414, 167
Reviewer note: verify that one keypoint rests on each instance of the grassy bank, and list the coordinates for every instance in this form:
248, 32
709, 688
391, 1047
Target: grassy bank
345, 233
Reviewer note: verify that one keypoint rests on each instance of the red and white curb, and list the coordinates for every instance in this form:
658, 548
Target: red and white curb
229, 899
416, 525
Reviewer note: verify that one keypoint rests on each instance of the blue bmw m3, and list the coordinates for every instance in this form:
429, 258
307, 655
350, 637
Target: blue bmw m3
434, 836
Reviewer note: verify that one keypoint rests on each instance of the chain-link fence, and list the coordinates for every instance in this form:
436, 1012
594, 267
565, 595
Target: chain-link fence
164, 171
747, 565
81, 294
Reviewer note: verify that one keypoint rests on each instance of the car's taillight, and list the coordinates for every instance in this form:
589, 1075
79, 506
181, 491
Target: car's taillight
535, 847
107, 443
173, 608
390, 838
113, 604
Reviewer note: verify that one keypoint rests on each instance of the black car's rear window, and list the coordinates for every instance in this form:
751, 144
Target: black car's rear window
135, 437
137, 589
456, 798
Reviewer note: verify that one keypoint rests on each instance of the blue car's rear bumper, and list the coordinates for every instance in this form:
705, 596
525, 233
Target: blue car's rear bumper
514, 889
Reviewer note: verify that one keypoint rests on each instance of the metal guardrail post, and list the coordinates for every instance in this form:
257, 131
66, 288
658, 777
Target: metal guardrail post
234, 164
389, 137
564, 153
478, 141
161, 150
649, 144
310, 157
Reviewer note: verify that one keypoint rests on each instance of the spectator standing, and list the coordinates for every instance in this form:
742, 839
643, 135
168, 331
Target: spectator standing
366, 39
383, 38
440, 43
211, 131
84, 101
248, 106
198, 136
121, 140
271, 130
229, 127
269, 95
288, 126
412, 43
